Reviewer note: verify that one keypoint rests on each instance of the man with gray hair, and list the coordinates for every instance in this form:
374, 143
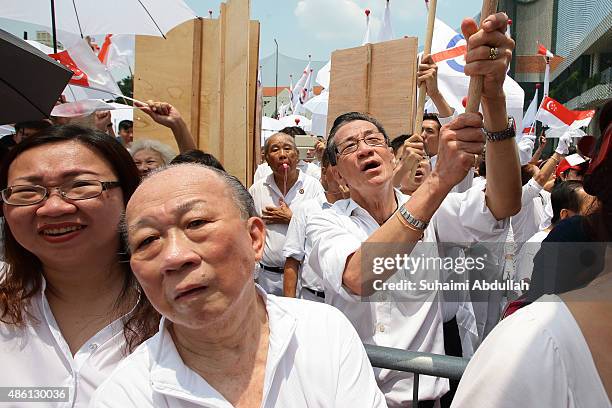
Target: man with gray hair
275, 196
194, 241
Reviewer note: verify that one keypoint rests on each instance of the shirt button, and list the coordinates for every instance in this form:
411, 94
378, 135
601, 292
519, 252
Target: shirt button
93, 346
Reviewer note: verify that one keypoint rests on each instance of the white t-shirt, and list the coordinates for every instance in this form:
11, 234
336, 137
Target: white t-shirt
298, 247
536, 357
315, 359
404, 320
38, 356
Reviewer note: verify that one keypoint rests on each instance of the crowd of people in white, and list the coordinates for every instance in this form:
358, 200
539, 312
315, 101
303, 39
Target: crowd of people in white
135, 279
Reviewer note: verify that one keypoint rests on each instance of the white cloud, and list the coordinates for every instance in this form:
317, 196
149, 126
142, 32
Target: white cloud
335, 20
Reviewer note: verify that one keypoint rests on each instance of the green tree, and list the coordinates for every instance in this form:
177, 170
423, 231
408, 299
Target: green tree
127, 88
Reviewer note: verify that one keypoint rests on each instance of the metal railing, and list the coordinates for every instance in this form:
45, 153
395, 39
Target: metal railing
418, 363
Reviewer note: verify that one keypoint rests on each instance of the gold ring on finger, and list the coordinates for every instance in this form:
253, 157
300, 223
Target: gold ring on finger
493, 53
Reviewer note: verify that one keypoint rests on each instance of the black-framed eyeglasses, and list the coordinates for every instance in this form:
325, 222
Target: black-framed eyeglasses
23, 194
372, 139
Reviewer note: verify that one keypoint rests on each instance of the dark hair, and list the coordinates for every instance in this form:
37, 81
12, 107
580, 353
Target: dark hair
398, 142
527, 172
343, 120
292, 131
125, 124
565, 196
432, 116
23, 278
198, 156
325, 162
34, 124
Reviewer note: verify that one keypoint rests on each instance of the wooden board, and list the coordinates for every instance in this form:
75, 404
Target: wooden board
207, 68
235, 119
377, 79
255, 105
165, 72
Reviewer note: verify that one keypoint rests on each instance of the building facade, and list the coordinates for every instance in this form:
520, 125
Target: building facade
579, 33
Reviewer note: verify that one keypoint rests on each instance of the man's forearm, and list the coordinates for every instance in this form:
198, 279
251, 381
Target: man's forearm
503, 192
444, 109
290, 277
547, 170
183, 137
393, 237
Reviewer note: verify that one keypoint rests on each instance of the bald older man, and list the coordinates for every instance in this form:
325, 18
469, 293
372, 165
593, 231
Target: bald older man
194, 240
275, 197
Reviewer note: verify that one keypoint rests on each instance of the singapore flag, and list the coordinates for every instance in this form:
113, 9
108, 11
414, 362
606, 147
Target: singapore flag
555, 115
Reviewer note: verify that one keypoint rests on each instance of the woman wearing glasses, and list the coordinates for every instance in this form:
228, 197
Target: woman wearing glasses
70, 308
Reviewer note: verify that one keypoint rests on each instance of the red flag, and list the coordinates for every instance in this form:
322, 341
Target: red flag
555, 115
78, 76
542, 50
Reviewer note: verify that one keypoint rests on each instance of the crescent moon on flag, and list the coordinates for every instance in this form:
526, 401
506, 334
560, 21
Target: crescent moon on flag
550, 106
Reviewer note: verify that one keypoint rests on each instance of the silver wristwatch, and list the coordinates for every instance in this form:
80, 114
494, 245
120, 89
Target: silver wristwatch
507, 133
417, 224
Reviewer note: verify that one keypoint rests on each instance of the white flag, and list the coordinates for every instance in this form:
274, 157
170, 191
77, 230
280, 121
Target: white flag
530, 116
386, 31
448, 49
366, 35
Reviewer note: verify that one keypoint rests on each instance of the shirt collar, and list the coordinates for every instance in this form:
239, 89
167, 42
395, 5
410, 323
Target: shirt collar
169, 375
269, 181
348, 205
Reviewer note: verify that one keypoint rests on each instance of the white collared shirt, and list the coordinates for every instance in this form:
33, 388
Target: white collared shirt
315, 359
403, 321
537, 357
266, 193
527, 222
298, 247
37, 355
264, 170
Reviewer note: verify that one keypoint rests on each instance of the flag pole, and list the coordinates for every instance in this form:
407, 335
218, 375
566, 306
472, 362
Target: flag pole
418, 122
431, 18
53, 28
475, 89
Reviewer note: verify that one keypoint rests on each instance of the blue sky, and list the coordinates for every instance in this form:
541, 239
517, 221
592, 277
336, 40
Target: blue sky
319, 27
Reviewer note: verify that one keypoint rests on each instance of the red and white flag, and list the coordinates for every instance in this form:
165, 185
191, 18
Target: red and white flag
87, 70
366, 35
555, 115
448, 50
117, 51
542, 50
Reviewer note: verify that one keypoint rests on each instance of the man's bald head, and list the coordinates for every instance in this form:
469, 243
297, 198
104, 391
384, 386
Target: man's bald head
165, 178
278, 136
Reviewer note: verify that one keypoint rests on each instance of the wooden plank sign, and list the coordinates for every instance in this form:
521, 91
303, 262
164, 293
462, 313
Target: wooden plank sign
377, 79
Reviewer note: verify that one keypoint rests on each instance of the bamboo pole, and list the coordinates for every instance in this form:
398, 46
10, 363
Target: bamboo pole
475, 89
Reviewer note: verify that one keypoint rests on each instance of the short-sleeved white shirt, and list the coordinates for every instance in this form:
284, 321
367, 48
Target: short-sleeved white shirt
527, 221
266, 193
537, 357
298, 247
315, 359
403, 321
37, 355
264, 170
